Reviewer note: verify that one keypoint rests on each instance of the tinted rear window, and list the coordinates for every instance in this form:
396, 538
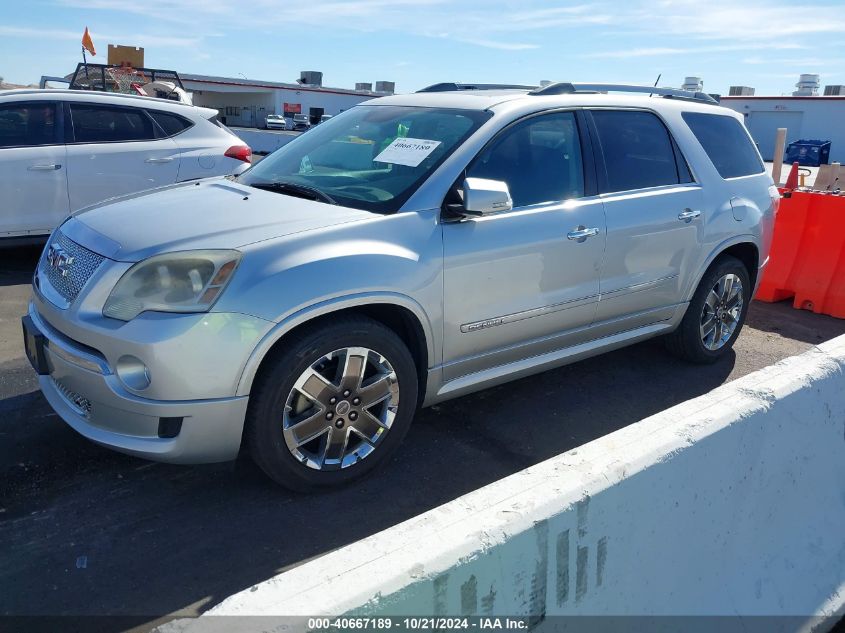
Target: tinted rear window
219, 124
172, 124
726, 143
27, 124
106, 124
637, 150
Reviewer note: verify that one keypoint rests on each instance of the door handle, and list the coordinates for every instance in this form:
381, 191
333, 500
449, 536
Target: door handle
44, 167
159, 160
688, 214
581, 233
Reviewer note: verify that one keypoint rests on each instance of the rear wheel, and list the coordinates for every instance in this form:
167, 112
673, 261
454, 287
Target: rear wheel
332, 405
715, 314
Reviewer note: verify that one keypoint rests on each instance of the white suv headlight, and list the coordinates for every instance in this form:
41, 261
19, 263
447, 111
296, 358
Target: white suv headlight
187, 281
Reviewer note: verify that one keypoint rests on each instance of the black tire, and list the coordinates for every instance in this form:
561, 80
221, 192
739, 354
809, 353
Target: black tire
686, 341
264, 437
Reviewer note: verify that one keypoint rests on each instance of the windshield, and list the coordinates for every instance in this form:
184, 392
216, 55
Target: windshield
369, 157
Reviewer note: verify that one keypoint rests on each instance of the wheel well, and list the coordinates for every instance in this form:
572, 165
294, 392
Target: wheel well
402, 321
745, 252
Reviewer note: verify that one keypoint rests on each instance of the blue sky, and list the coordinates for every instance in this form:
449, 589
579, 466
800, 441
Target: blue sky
764, 44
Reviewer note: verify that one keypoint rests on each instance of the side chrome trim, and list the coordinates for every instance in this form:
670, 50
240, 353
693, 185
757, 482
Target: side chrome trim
56, 344
475, 326
73, 359
646, 285
535, 364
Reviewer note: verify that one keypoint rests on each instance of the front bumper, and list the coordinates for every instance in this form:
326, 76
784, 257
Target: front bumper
82, 388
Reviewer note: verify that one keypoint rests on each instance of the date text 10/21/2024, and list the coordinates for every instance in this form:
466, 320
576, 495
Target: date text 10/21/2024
387, 623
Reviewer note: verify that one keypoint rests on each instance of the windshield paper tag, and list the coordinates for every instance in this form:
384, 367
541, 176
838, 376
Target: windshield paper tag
406, 151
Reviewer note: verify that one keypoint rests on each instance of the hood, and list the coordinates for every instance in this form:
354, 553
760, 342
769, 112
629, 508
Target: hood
205, 214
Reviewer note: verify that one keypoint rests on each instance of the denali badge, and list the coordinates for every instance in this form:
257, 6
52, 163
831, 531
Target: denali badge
59, 260
481, 325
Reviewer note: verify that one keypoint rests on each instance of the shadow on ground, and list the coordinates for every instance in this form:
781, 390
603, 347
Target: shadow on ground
17, 264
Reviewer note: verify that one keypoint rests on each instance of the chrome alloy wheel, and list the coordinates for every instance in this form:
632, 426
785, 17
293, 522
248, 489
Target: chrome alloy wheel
721, 312
340, 408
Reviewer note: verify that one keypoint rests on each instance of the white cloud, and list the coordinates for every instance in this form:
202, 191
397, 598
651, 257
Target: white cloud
748, 21
816, 62
500, 45
658, 51
101, 39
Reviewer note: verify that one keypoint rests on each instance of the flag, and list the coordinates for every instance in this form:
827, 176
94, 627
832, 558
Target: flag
87, 44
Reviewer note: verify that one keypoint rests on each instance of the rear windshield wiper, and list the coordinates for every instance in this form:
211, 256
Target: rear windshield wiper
293, 189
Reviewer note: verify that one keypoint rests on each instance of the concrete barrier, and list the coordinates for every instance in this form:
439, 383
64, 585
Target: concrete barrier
264, 141
731, 504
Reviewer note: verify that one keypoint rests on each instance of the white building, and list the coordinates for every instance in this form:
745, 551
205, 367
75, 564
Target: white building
245, 102
807, 116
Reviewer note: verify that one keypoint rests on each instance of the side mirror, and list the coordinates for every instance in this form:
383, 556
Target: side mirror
483, 196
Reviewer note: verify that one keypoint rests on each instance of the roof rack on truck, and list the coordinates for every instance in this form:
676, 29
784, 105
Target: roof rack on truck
147, 82
104, 77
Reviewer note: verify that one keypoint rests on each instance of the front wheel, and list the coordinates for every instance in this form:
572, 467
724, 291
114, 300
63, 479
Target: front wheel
332, 404
715, 314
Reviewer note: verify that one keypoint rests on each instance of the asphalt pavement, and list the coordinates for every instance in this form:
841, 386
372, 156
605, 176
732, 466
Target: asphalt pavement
84, 530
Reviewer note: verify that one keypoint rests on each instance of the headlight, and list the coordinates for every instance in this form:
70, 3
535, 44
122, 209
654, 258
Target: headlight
188, 281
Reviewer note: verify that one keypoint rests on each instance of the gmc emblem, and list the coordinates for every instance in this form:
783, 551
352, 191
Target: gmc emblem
59, 260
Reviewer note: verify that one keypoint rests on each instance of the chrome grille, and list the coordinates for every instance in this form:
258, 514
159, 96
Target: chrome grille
69, 278
80, 404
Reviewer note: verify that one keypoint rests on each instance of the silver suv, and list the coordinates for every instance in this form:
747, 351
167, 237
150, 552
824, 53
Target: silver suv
410, 250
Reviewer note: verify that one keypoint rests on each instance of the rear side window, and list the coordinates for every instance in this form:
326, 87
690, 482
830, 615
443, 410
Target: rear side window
726, 143
219, 124
106, 124
27, 124
172, 124
637, 150
539, 158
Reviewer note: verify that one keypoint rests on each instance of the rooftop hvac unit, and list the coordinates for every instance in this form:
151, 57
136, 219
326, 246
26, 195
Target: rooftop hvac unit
833, 91
741, 91
693, 83
311, 78
808, 86
366, 86
385, 86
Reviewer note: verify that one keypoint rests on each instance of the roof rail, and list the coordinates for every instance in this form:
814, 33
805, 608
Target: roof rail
561, 88
449, 86
76, 91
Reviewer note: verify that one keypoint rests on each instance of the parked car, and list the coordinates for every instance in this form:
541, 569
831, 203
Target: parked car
301, 122
275, 122
412, 249
325, 118
62, 150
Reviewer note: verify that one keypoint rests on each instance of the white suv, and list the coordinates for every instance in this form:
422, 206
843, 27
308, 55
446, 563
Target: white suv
62, 150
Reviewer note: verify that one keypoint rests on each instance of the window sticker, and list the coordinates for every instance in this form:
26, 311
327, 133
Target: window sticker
406, 151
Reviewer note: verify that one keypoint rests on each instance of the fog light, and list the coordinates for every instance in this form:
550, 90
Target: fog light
133, 373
